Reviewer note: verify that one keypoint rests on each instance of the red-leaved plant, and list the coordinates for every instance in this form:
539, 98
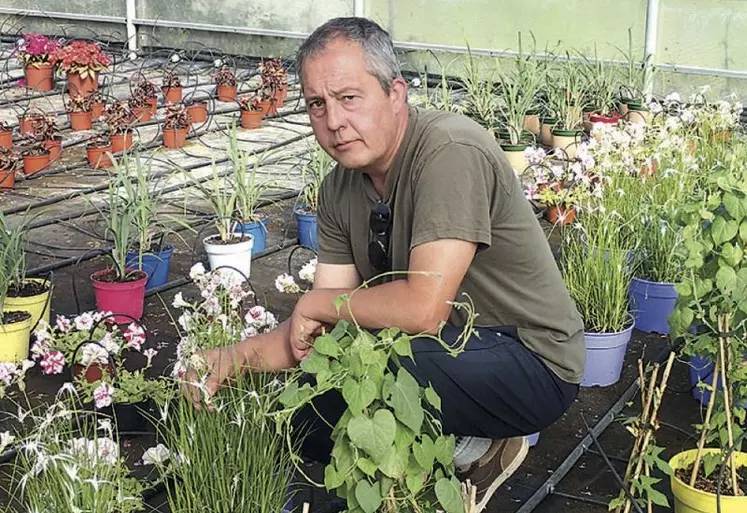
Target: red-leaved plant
36, 49
81, 57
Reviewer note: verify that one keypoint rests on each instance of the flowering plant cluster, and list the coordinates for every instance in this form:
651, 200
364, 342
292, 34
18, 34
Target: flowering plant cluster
85, 58
36, 49
217, 319
286, 283
12, 374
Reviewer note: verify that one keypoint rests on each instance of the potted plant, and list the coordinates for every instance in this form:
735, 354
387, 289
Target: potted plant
45, 129
596, 270
119, 289
98, 151
197, 110
9, 160
274, 78
566, 96
250, 191
708, 316
225, 80
146, 92
6, 135
175, 125
172, 87
267, 102
141, 104
119, 120
227, 247
148, 249
34, 51
96, 101
14, 376
251, 112
79, 110
35, 156
480, 95
315, 167
602, 91
23, 292
15, 325
82, 61
26, 121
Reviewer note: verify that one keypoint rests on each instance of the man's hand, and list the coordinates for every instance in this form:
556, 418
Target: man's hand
303, 329
223, 364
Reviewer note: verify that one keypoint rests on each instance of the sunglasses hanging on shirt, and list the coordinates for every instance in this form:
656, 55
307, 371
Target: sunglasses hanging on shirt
380, 225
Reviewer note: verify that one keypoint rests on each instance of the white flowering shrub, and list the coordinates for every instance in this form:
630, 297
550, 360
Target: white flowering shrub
286, 283
13, 375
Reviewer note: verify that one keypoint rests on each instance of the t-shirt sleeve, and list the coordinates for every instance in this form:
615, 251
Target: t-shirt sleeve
334, 240
452, 197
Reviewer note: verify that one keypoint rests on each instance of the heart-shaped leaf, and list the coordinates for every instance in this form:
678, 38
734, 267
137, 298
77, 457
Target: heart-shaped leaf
449, 495
358, 395
327, 345
424, 452
404, 397
374, 436
368, 497
394, 463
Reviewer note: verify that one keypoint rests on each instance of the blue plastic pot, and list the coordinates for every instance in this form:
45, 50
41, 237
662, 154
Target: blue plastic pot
307, 235
605, 354
155, 265
652, 303
701, 370
533, 439
258, 231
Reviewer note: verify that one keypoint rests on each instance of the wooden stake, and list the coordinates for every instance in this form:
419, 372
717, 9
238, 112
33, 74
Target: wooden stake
305, 507
706, 421
724, 323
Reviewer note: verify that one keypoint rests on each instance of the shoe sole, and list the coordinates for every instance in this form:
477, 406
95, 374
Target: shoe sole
510, 470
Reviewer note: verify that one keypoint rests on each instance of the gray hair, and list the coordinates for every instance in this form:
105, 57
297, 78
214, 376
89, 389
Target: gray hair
381, 61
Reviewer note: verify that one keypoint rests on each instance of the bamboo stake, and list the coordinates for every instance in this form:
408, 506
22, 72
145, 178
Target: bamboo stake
723, 323
651, 414
305, 507
707, 420
649, 504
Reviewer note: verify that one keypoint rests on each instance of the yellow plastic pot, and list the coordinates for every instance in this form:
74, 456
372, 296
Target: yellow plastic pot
37, 306
689, 500
14, 340
515, 155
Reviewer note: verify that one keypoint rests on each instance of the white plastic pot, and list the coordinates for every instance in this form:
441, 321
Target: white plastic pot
237, 256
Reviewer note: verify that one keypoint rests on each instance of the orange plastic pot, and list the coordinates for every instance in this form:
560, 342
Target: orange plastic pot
121, 142
76, 84
174, 137
7, 179
251, 119
226, 93
198, 112
172, 94
32, 164
80, 121
143, 113
55, 149
98, 157
6, 139
24, 125
40, 78
153, 104
97, 110
268, 107
561, 215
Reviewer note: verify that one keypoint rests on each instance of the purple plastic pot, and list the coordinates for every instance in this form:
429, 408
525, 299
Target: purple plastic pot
652, 303
605, 354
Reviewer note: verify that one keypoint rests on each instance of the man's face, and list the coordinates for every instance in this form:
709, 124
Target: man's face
353, 118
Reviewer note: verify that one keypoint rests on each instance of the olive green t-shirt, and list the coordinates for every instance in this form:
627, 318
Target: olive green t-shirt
450, 179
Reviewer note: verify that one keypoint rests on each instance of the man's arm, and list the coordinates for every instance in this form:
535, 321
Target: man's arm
415, 305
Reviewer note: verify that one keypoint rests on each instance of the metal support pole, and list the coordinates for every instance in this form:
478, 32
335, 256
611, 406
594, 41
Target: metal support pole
651, 42
359, 8
131, 15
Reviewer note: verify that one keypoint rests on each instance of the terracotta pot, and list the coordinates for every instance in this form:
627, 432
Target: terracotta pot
97, 156
121, 142
153, 103
251, 119
175, 137
226, 93
24, 125
561, 215
32, 164
93, 372
198, 112
82, 86
55, 149
6, 139
532, 123
172, 94
649, 168
40, 78
7, 179
97, 110
268, 107
143, 113
80, 121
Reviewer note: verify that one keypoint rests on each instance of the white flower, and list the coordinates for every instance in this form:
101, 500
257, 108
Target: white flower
135, 336
212, 306
110, 344
157, 455
286, 284
179, 301
416, 82
149, 354
63, 324
672, 97
106, 426
93, 353
175, 58
103, 395
107, 450
308, 271
5, 440
26, 365
84, 321
69, 388
7, 372
197, 270
183, 321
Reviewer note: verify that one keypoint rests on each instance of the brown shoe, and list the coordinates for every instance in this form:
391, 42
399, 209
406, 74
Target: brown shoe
498, 464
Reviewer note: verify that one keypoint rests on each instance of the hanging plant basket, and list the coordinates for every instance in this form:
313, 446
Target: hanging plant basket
39, 77
80, 121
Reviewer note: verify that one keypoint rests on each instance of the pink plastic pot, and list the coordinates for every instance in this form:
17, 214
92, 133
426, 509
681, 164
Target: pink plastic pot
120, 297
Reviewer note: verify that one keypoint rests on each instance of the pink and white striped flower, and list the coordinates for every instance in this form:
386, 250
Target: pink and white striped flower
53, 362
